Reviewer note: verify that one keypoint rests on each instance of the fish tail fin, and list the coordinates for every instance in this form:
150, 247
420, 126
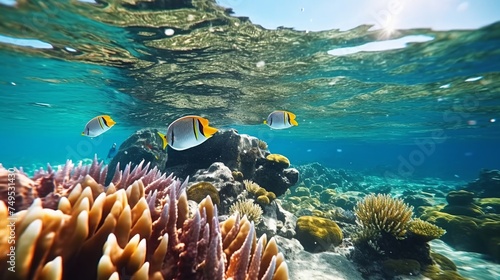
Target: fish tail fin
264, 122
294, 122
83, 134
163, 139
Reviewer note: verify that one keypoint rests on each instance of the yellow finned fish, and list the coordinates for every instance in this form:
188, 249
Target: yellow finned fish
98, 126
281, 120
187, 132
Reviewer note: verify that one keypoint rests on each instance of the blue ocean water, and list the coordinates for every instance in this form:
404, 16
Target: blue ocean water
428, 109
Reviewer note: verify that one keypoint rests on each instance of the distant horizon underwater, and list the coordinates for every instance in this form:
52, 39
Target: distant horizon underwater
419, 123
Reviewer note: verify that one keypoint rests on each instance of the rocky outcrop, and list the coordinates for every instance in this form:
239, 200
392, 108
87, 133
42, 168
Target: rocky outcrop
145, 145
236, 151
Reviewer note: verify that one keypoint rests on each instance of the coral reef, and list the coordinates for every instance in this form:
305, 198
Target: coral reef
200, 190
144, 145
137, 227
261, 195
425, 230
476, 233
487, 185
274, 175
247, 208
278, 160
388, 235
221, 178
318, 234
384, 213
237, 152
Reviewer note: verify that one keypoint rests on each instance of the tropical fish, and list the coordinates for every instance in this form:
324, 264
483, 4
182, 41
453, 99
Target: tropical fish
98, 126
187, 132
281, 120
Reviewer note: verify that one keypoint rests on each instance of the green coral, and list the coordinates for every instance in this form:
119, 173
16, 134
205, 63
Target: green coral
271, 196
262, 199
317, 234
302, 191
394, 267
237, 176
443, 262
460, 197
199, 191
326, 195
249, 208
425, 230
251, 186
279, 160
384, 213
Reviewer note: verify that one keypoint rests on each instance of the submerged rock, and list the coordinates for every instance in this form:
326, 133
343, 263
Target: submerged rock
236, 151
487, 185
145, 145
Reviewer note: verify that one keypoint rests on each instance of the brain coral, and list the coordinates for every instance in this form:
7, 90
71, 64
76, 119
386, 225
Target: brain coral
131, 230
316, 233
279, 160
199, 191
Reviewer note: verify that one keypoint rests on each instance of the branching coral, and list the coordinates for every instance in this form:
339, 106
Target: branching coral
247, 208
134, 231
251, 186
384, 213
425, 230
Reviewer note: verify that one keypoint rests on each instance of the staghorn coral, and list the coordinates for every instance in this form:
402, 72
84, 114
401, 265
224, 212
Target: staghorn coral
425, 230
135, 233
384, 213
247, 208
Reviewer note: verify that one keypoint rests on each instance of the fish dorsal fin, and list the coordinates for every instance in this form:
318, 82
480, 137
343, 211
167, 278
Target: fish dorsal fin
291, 115
203, 121
207, 130
292, 118
109, 121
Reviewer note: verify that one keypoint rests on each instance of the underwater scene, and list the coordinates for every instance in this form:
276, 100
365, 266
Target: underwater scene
234, 139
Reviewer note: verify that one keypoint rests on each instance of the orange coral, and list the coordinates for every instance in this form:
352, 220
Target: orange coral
136, 231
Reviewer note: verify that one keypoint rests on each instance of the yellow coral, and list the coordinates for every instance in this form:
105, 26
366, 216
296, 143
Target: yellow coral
260, 191
262, 199
384, 213
251, 186
237, 175
316, 233
279, 160
249, 208
271, 196
425, 230
199, 191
